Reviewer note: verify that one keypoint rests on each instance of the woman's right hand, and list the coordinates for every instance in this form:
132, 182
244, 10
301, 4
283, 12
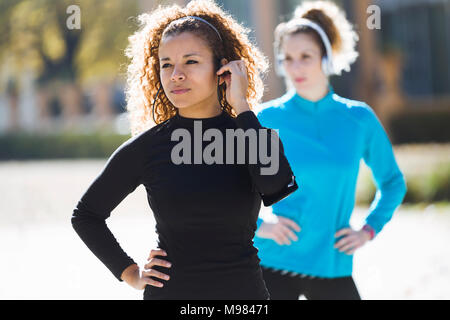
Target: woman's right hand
139, 279
281, 231
152, 261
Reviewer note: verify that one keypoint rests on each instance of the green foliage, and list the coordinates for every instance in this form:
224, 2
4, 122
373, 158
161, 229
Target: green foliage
427, 181
365, 190
68, 145
34, 35
428, 186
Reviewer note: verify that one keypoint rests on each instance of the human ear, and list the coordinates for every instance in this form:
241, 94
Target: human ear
223, 62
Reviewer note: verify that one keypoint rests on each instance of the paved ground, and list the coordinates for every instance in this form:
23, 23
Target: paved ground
43, 258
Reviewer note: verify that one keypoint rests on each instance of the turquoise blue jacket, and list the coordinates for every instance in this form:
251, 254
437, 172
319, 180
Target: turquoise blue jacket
324, 142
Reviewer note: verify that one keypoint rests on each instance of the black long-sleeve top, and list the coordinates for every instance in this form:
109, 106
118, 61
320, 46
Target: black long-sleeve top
205, 213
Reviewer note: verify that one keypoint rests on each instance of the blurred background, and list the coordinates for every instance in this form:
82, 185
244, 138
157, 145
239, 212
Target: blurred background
62, 114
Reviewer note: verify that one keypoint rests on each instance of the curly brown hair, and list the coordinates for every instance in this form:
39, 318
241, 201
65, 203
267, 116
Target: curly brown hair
143, 73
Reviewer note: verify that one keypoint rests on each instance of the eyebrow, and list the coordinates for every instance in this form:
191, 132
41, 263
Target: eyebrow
185, 56
309, 50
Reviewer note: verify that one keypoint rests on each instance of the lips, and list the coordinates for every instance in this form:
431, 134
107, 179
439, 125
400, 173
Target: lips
179, 91
299, 80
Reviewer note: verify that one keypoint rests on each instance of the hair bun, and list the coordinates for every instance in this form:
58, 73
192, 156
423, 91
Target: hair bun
338, 29
321, 18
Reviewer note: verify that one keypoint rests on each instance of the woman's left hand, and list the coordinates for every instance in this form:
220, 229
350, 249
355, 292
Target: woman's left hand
352, 240
237, 84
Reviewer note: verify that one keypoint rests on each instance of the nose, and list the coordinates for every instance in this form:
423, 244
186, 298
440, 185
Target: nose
296, 65
177, 75
295, 68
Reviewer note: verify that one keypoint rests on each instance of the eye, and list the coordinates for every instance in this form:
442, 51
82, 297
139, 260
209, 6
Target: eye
166, 65
287, 58
191, 62
306, 56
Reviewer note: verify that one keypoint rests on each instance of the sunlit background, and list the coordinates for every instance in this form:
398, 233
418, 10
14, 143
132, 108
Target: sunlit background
62, 113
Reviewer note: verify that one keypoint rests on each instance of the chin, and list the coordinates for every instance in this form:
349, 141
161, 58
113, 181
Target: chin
302, 86
180, 103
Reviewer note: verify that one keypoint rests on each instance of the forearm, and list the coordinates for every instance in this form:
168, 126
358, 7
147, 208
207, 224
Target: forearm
272, 176
388, 197
391, 185
99, 239
130, 274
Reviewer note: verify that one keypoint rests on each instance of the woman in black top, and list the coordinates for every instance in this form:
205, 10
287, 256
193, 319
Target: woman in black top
205, 211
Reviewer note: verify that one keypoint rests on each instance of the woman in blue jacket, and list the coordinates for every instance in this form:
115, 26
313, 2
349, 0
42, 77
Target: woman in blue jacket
308, 249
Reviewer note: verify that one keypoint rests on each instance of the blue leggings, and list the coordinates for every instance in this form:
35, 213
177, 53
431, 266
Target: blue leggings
288, 287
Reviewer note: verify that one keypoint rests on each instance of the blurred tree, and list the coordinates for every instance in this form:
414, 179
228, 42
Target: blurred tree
35, 32
35, 35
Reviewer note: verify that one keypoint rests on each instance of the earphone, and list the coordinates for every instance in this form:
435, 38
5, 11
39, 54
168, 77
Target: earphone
327, 60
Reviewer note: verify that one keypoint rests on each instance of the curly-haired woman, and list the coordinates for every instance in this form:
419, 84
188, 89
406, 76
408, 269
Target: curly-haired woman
308, 248
193, 69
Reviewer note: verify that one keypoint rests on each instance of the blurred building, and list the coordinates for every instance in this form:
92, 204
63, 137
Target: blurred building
403, 68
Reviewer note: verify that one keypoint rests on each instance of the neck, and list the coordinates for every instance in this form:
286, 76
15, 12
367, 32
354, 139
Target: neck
205, 109
314, 94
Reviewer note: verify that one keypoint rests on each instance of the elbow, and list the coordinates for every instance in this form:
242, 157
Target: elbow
404, 186
285, 191
79, 217
271, 184
82, 218
74, 219
400, 188
401, 184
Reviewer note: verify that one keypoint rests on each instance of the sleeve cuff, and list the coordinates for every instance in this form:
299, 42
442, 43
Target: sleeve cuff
370, 230
118, 270
268, 200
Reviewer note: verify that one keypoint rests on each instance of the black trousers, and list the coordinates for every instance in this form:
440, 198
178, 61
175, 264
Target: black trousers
288, 287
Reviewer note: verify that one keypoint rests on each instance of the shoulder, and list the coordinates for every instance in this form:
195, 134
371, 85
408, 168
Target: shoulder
272, 108
277, 104
143, 141
359, 111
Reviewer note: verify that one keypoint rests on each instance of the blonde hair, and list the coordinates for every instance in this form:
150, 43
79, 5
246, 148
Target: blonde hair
143, 71
333, 21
